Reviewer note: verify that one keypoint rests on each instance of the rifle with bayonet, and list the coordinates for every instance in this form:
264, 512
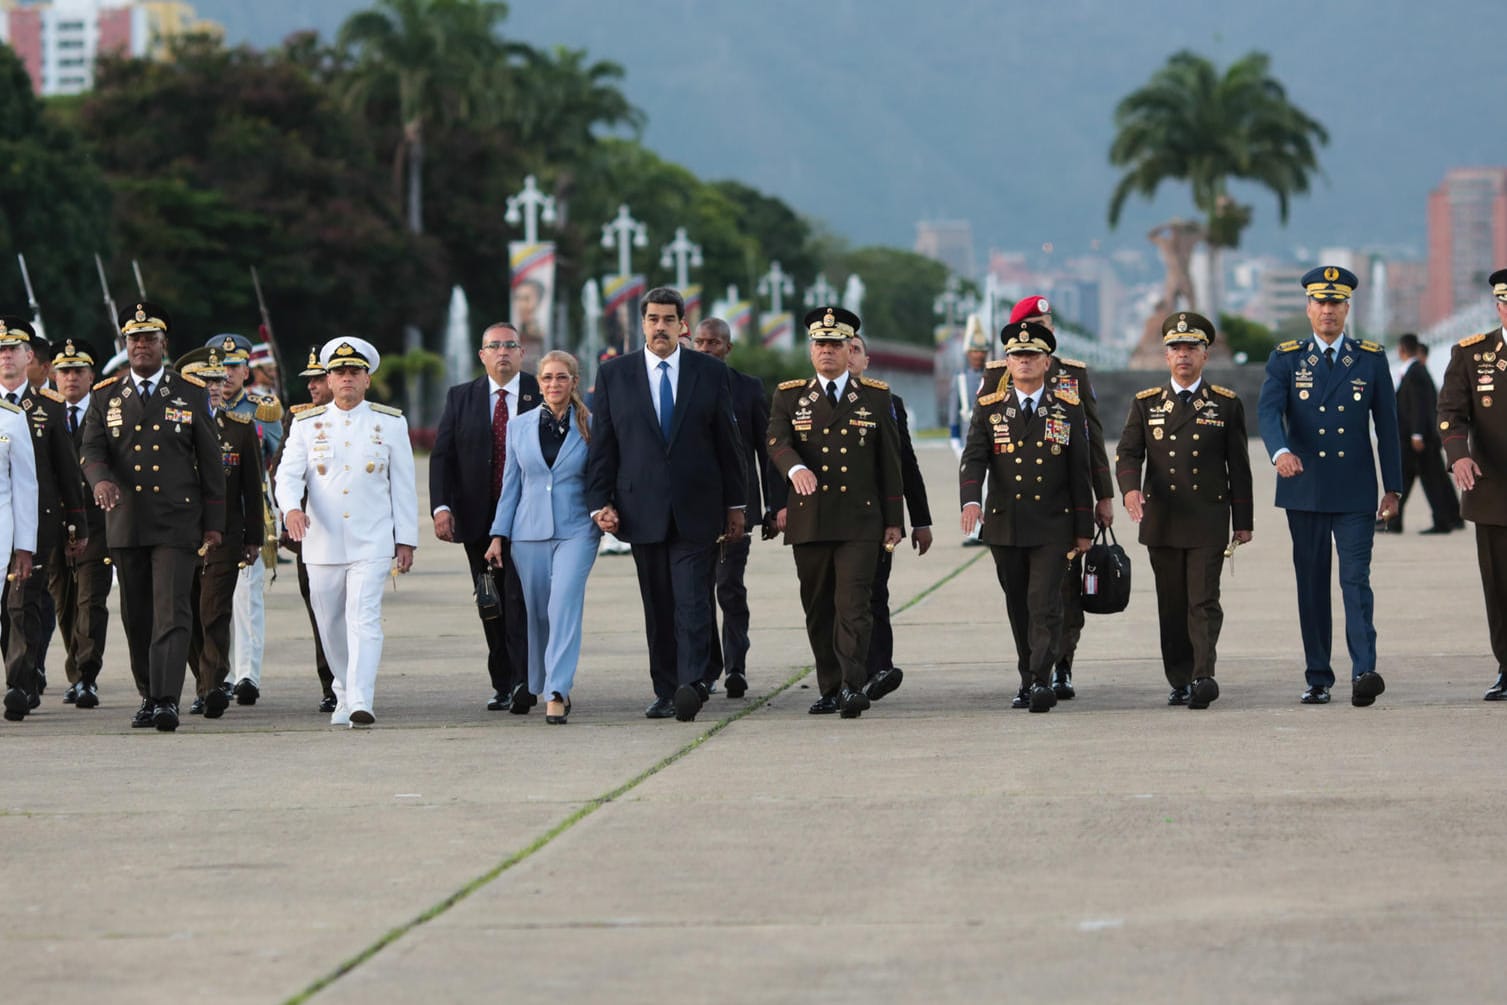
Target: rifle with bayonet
31, 298
277, 357
112, 314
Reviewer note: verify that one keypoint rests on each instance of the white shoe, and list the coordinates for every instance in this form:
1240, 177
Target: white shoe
341, 716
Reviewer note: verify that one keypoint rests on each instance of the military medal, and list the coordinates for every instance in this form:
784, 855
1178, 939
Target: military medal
1485, 401
1156, 433
1301, 394
370, 467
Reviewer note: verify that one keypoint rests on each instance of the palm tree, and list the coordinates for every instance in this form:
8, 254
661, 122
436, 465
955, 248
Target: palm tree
1191, 124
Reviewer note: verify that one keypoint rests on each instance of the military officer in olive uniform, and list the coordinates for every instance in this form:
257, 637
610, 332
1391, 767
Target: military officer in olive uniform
60, 503
834, 439
1031, 440
1473, 426
215, 580
81, 585
1068, 375
152, 459
1189, 436
1318, 403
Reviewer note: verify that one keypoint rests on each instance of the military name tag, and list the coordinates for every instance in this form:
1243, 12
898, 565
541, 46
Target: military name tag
863, 423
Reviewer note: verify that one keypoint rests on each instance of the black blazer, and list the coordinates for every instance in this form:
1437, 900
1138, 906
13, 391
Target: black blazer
94, 517
1417, 399
751, 409
910, 470
695, 478
460, 468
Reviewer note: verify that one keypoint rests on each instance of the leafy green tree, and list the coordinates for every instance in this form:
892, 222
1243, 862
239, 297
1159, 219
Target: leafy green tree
54, 209
901, 291
1242, 334
1189, 123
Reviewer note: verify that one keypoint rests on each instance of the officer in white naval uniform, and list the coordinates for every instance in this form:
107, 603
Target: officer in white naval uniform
18, 523
354, 460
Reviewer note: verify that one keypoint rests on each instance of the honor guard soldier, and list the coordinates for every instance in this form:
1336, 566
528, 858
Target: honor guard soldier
60, 502
250, 621
81, 585
346, 488
215, 580
1319, 401
1031, 440
319, 394
18, 523
1068, 375
1189, 438
152, 459
1473, 426
834, 439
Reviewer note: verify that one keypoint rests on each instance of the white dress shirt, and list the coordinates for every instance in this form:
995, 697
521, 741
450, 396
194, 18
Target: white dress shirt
652, 362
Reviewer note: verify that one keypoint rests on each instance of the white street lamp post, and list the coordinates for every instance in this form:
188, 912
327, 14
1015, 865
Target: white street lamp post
682, 255
530, 206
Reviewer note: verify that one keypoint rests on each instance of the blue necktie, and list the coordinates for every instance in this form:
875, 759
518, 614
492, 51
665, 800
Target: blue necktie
666, 400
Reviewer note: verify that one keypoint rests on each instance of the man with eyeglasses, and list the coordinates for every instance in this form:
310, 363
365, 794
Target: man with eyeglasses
465, 480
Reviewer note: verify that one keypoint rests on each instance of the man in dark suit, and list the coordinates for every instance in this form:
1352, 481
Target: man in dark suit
751, 409
1031, 440
60, 504
1475, 442
1422, 456
1186, 509
666, 474
884, 676
1318, 405
465, 480
81, 585
153, 463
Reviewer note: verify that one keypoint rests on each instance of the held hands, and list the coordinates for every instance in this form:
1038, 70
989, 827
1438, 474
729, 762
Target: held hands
920, 540
107, 495
1466, 471
1289, 466
403, 553
444, 525
606, 519
1104, 512
1135, 505
1391, 505
973, 515
296, 524
804, 482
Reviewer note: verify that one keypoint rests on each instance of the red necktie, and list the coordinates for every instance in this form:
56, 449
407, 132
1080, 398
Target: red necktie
499, 443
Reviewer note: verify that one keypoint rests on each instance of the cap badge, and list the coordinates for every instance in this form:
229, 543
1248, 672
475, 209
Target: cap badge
1331, 273
141, 313
1182, 323
1042, 307
344, 350
829, 320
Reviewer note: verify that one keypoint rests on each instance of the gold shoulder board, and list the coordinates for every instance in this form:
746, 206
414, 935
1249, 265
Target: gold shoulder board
1148, 392
1372, 346
110, 380
48, 392
1289, 346
238, 417
1472, 340
191, 379
990, 399
311, 411
268, 408
1067, 396
1227, 392
995, 364
295, 409
8, 406
787, 385
386, 410
1072, 362
871, 382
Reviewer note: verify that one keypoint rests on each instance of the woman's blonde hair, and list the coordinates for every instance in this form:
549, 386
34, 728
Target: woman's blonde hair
583, 417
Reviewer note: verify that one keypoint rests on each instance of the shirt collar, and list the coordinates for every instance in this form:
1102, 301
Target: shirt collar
155, 378
1177, 389
1319, 345
511, 386
841, 380
19, 390
1021, 397
652, 362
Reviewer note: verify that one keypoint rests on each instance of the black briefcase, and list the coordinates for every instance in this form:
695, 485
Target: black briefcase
488, 604
1106, 576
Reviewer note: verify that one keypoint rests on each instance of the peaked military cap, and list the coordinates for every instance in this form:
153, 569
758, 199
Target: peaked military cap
76, 353
142, 317
831, 324
16, 330
1027, 336
314, 367
233, 348
1184, 327
340, 353
1498, 283
1329, 282
205, 362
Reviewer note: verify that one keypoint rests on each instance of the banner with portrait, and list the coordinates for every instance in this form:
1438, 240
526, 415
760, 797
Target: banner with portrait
532, 298
692, 294
620, 325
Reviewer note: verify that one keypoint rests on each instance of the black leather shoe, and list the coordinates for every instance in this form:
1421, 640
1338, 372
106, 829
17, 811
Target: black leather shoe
825, 705
1179, 696
246, 693
165, 718
1041, 699
71, 695
85, 696
688, 701
1365, 688
197, 708
17, 704
215, 704
1022, 699
884, 682
1436, 530
710, 687
327, 704
1498, 691
500, 702
41, 681
522, 699
143, 717
1315, 696
362, 719
663, 708
33, 700
560, 717
736, 684
1062, 683
853, 703
1204, 690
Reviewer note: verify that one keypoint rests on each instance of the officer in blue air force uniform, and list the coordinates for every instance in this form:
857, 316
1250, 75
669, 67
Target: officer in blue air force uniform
1318, 404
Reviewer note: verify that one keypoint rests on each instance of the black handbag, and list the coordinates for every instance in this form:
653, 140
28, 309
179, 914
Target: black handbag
1106, 576
488, 604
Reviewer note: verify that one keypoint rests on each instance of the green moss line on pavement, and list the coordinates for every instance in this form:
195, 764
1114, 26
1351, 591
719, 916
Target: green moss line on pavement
586, 810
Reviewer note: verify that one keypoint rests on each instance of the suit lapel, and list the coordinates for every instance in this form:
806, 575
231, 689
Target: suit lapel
1182, 414
688, 378
640, 383
1020, 429
573, 442
1332, 377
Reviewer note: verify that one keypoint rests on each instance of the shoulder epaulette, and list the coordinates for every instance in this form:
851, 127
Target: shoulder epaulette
8, 406
1070, 397
1370, 346
787, 385
1472, 340
994, 364
1289, 346
1072, 362
48, 392
294, 410
1225, 391
268, 408
236, 416
990, 399
110, 380
312, 411
191, 379
386, 410
871, 382
1148, 392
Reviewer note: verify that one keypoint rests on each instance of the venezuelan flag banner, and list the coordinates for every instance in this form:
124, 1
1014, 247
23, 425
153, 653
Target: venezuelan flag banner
532, 296
777, 331
692, 296
620, 325
740, 319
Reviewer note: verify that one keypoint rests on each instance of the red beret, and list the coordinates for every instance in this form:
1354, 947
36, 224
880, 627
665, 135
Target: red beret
1030, 307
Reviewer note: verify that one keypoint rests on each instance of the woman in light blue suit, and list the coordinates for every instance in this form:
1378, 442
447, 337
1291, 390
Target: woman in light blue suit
542, 510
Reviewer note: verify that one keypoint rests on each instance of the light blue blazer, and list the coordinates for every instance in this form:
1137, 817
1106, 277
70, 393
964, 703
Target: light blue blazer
539, 502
